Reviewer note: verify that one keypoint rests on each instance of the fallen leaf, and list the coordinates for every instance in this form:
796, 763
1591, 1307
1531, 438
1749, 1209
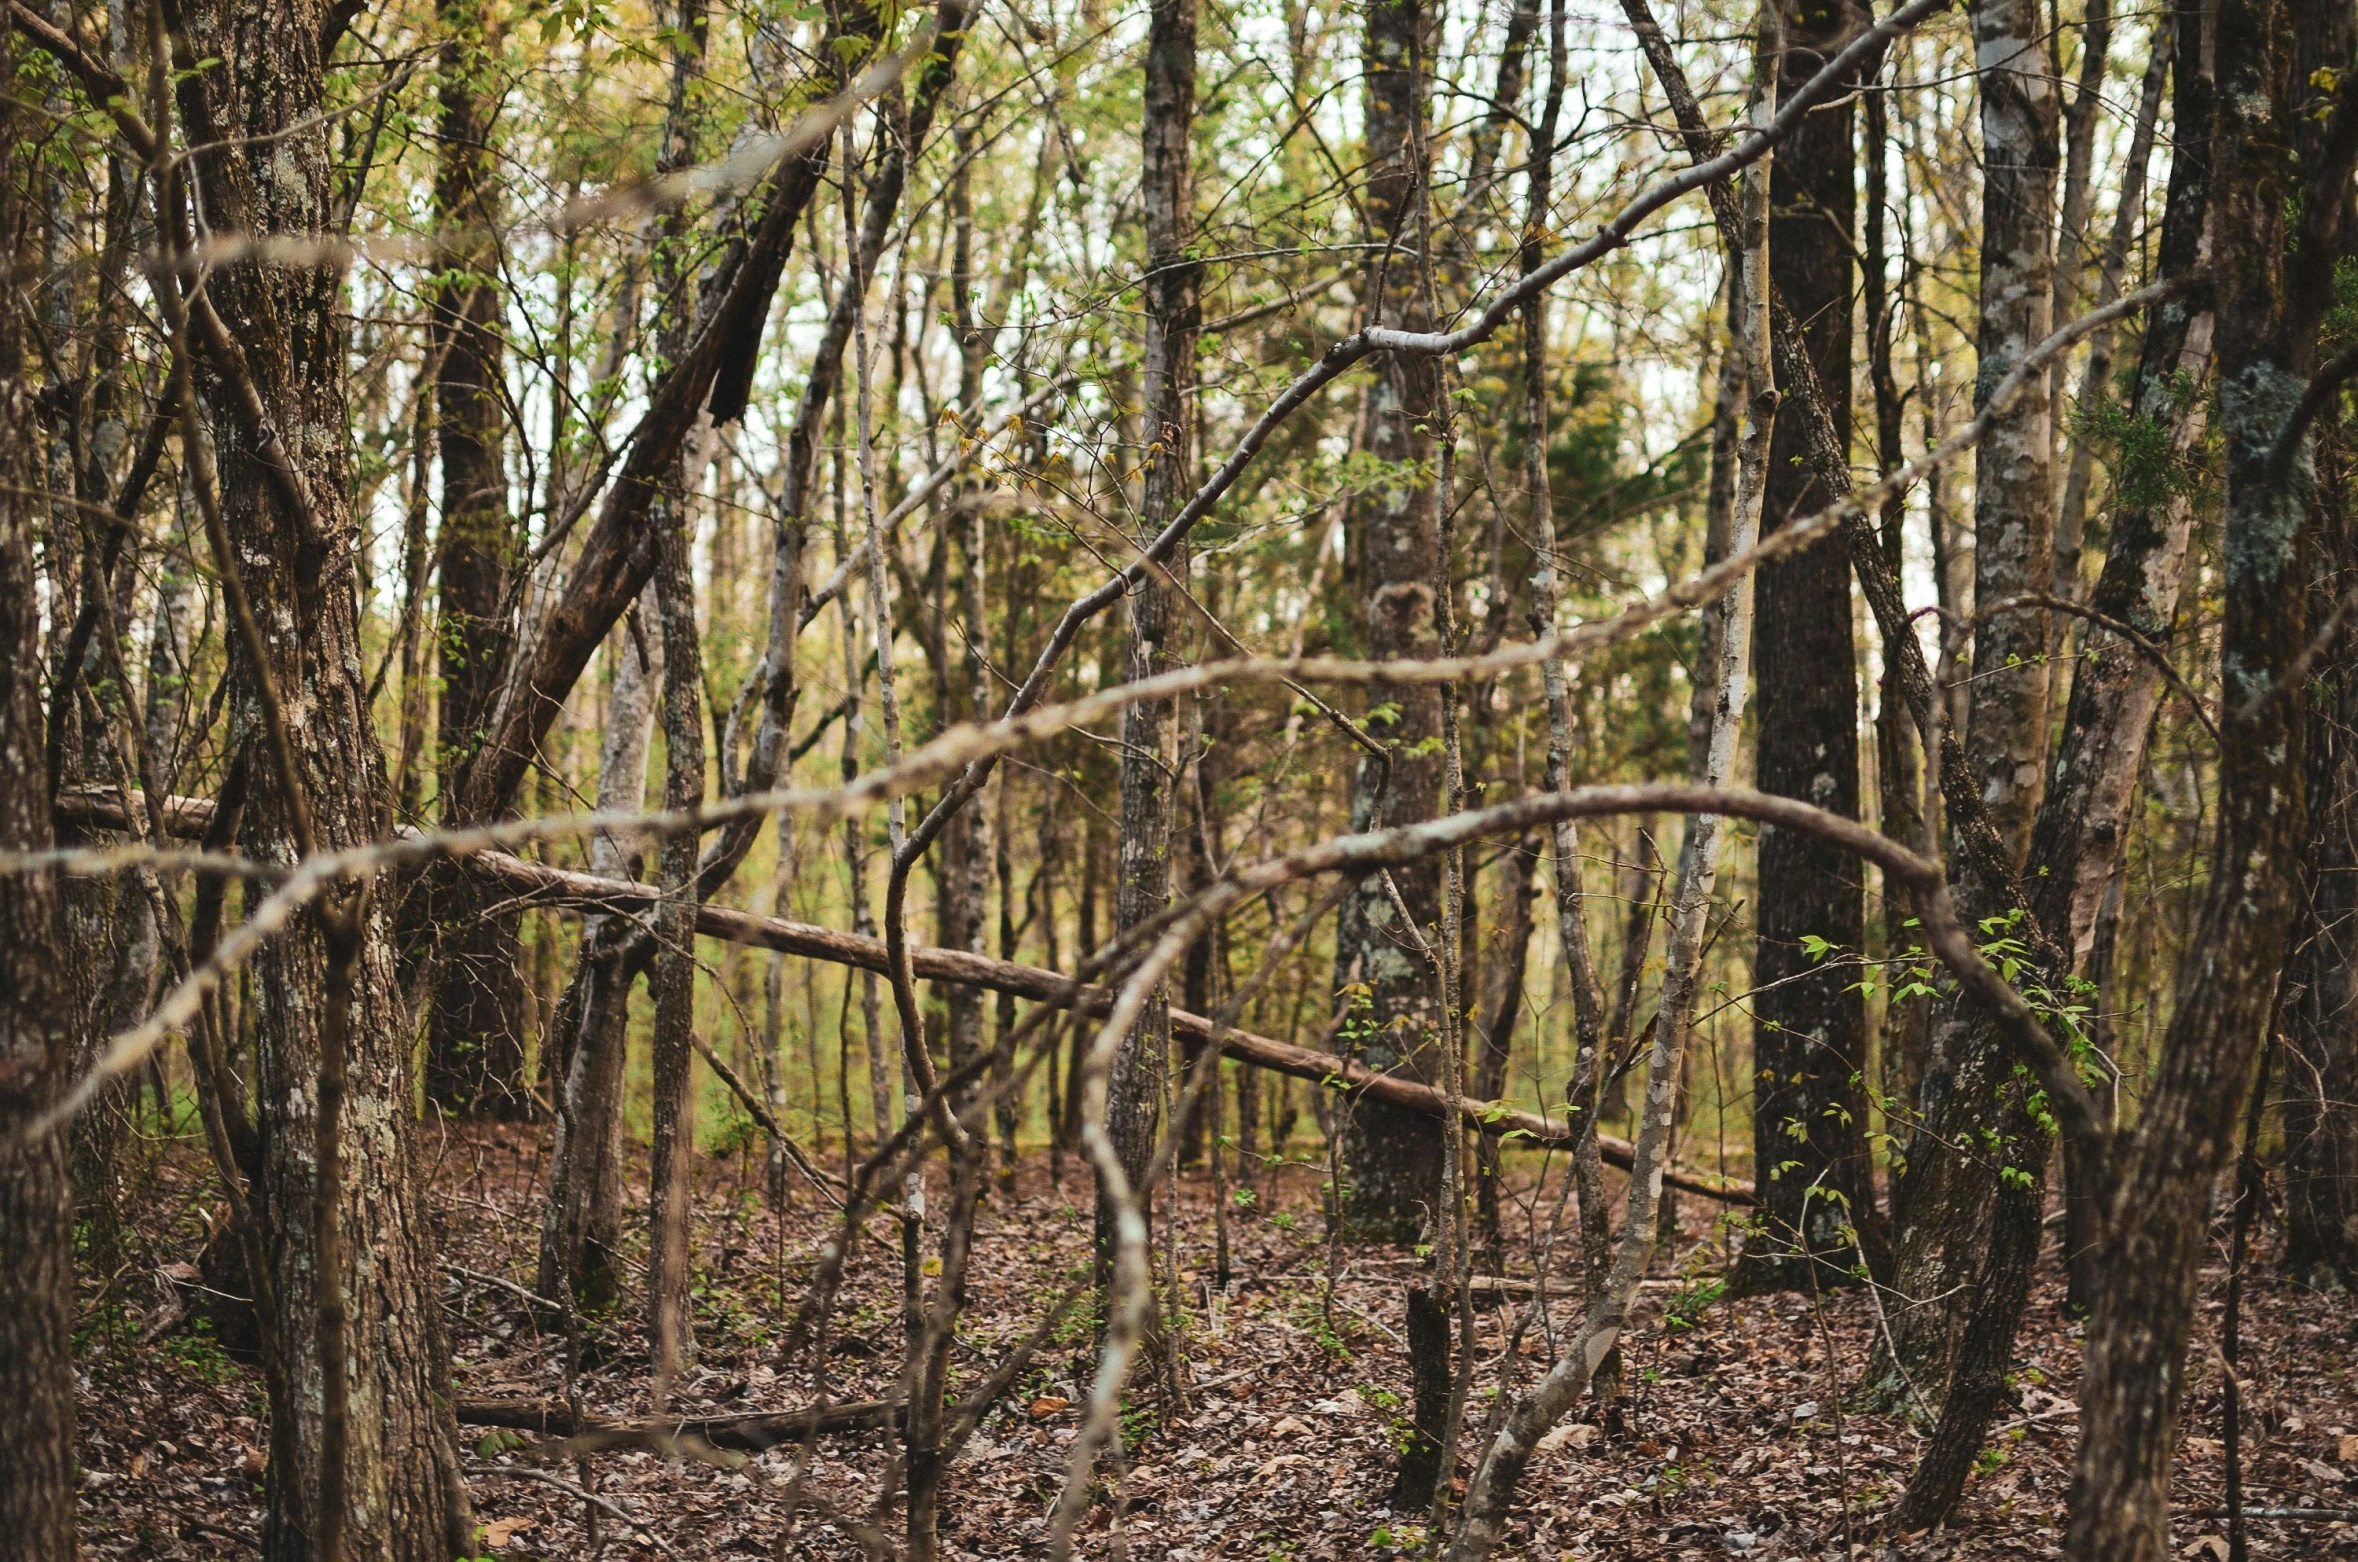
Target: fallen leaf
498, 1534
1048, 1405
1280, 1462
1289, 1427
2319, 1470
2346, 1448
1570, 1435
2208, 1447
2209, 1546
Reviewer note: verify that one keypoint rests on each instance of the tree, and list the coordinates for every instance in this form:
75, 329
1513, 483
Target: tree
36, 1218
475, 1047
1385, 971
275, 360
2280, 191
1809, 1042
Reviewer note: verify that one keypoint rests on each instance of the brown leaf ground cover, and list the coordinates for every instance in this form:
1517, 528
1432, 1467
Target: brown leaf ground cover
1738, 1438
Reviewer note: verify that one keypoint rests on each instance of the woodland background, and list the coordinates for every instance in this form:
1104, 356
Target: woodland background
867, 752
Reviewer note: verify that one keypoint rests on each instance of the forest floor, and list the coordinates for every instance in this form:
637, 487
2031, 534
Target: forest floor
1737, 1439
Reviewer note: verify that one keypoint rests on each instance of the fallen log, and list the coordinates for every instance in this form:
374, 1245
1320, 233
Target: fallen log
533, 884
750, 1432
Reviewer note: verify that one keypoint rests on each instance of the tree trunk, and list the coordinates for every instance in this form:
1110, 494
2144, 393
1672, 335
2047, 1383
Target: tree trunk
285, 511
1392, 1161
2084, 820
1150, 728
581, 1227
2281, 196
1809, 1042
475, 1043
1501, 1014
709, 370
36, 1216
2014, 466
1950, 1246
671, 1182
2321, 1022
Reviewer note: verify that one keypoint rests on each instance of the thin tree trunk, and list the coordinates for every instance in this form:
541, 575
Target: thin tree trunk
1482, 1524
2084, 823
671, 1192
1391, 1162
1584, 1097
1501, 1014
2320, 1093
402, 1495
2071, 521
581, 1228
1150, 728
2014, 466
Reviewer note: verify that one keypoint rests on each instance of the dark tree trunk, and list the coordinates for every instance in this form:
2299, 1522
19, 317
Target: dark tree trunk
36, 1216
1809, 1041
1150, 728
2280, 192
1972, 1230
1391, 1159
2321, 1020
2084, 819
403, 1498
475, 1045
709, 370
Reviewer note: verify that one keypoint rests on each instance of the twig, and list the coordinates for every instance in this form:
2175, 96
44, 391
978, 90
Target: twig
524, 1472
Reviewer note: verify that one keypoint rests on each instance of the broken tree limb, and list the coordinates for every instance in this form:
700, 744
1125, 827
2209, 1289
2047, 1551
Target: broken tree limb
536, 885
748, 1432
558, 888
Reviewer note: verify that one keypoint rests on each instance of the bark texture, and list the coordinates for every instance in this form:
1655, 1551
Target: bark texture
671, 1189
2014, 468
2281, 170
1150, 729
36, 1215
2320, 1094
581, 1225
475, 1045
1391, 1162
1809, 1041
267, 170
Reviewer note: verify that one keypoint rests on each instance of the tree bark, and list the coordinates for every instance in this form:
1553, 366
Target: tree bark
671, 1190
36, 1215
711, 369
2321, 1022
475, 1041
2281, 171
1391, 1164
403, 1497
581, 1226
1150, 728
2084, 820
1809, 1042
2014, 468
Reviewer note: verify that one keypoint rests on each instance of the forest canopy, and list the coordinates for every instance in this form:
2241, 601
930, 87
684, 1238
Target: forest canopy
1412, 778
